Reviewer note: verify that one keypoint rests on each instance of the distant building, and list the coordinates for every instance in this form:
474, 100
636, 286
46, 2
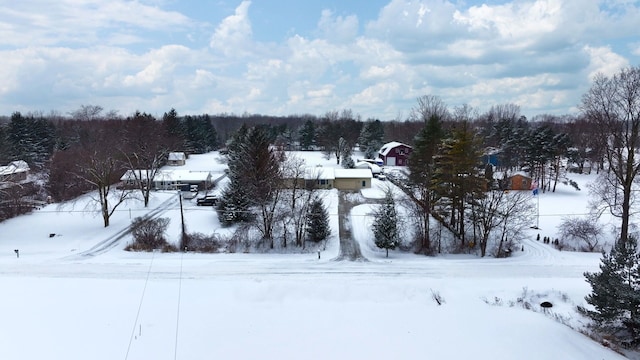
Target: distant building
395, 154
16, 171
329, 178
519, 181
177, 159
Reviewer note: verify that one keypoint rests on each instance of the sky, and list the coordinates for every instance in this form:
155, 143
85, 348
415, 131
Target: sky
285, 57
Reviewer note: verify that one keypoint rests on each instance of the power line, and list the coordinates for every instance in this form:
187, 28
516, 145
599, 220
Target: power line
175, 353
133, 331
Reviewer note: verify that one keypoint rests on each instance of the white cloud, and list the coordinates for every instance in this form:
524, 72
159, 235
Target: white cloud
233, 35
604, 61
337, 28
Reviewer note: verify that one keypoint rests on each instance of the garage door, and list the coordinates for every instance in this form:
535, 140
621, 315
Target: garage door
391, 161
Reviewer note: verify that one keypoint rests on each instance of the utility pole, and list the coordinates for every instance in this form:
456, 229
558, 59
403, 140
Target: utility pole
182, 237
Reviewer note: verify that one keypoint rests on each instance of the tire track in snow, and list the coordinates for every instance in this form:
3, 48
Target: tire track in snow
113, 240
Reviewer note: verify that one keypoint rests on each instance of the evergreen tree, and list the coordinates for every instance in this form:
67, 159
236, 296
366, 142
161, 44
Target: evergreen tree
317, 222
307, 135
457, 174
30, 139
615, 293
385, 227
421, 162
371, 137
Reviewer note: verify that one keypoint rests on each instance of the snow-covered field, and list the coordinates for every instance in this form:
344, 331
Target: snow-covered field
78, 295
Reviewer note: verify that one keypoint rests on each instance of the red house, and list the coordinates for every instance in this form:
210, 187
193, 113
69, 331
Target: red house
395, 154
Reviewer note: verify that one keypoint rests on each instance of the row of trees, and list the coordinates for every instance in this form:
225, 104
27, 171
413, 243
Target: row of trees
264, 190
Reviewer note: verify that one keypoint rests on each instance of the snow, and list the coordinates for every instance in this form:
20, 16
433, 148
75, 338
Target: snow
63, 300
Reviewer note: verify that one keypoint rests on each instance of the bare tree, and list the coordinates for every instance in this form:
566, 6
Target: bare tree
498, 214
613, 103
516, 212
87, 112
145, 149
581, 230
428, 106
98, 164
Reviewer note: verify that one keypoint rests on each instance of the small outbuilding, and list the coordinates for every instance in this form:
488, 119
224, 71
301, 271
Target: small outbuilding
395, 154
519, 181
177, 159
15, 171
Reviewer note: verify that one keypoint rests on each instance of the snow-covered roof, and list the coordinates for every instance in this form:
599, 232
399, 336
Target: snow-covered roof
367, 165
353, 173
168, 175
14, 167
319, 173
130, 175
177, 156
182, 175
384, 150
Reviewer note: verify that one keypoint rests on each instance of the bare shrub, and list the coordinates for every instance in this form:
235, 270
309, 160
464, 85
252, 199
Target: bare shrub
583, 232
149, 234
202, 243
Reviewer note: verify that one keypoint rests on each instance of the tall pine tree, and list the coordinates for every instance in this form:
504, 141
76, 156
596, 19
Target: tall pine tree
317, 221
385, 227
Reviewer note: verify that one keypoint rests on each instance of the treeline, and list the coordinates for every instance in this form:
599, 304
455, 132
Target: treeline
60, 149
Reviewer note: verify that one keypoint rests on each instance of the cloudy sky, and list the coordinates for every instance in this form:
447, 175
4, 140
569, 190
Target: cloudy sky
282, 57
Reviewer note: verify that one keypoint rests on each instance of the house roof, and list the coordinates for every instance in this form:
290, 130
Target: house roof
168, 175
14, 167
384, 150
177, 156
353, 173
319, 173
182, 175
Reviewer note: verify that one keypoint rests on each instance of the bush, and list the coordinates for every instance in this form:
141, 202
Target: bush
149, 234
201, 243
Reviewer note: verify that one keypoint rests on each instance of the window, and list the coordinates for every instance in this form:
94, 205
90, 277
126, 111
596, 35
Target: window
322, 182
364, 183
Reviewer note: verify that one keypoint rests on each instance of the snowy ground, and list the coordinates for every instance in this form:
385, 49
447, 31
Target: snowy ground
77, 295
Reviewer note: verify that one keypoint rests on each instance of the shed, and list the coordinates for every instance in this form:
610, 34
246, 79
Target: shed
519, 181
395, 154
177, 159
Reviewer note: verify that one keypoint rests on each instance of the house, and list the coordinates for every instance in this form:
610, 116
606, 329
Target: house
519, 181
352, 179
16, 171
395, 154
177, 159
318, 177
331, 178
170, 179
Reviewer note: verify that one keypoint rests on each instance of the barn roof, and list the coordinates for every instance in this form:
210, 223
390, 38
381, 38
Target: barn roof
384, 150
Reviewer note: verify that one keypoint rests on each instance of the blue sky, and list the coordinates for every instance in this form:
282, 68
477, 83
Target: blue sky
282, 57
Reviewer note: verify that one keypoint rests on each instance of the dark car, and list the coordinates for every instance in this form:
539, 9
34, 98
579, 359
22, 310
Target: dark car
208, 200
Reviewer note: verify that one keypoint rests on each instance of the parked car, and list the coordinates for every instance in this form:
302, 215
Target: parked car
207, 200
382, 177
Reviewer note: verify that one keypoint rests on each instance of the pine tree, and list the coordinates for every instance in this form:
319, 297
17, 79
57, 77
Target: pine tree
615, 293
385, 227
307, 135
371, 137
317, 221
